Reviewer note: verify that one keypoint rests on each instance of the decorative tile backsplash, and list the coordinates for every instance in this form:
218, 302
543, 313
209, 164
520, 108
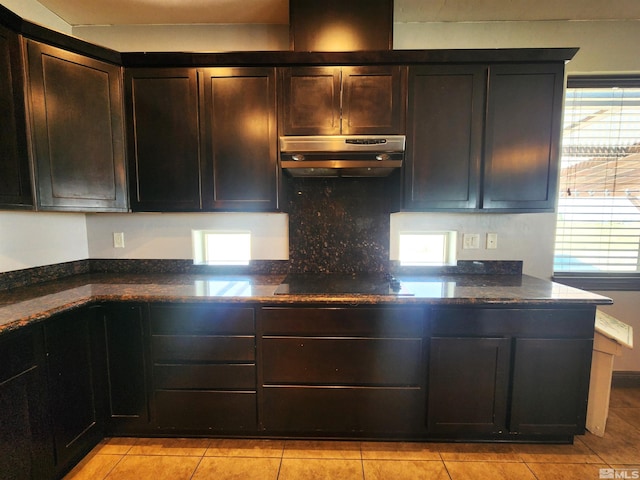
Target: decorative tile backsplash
340, 225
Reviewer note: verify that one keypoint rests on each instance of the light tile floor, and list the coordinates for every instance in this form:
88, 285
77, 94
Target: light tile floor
215, 459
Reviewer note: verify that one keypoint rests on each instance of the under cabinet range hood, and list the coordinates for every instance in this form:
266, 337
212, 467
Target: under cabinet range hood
341, 155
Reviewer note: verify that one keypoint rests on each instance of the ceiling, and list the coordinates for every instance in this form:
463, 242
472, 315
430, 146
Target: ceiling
166, 12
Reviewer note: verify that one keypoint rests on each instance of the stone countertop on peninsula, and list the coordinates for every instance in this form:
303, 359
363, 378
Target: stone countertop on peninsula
22, 306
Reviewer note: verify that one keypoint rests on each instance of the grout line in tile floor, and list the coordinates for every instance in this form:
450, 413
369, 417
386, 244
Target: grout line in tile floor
222, 459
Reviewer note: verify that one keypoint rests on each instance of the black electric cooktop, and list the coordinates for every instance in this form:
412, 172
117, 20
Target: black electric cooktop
340, 284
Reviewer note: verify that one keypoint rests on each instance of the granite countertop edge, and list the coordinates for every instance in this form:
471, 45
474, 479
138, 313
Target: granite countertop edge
27, 305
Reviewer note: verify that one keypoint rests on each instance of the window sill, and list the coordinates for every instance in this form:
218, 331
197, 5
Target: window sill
603, 282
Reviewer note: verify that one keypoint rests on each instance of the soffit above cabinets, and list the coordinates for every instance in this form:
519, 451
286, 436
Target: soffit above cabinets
131, 12
168, 12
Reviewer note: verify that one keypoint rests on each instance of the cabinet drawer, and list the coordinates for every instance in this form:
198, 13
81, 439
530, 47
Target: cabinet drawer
206, 377
342, 361
17, 353
574, 322
203, 348
343, 410
201, 319
375, 322
206, 410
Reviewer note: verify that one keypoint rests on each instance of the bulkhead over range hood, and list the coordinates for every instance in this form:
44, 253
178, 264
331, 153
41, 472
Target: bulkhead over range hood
341, 155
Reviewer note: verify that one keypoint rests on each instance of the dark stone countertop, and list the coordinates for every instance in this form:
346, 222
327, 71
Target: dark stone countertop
21, 306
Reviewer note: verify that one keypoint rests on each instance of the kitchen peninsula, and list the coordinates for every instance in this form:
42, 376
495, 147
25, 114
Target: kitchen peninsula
456, 357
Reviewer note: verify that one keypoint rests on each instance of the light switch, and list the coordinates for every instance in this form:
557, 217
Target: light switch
471, 240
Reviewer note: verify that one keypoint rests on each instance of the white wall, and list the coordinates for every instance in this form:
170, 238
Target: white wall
168, 235
33, 11
605, 46
187, 38
518, 236
29, 239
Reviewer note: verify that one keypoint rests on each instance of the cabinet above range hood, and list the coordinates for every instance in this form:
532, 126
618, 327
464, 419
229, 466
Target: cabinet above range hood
342, 155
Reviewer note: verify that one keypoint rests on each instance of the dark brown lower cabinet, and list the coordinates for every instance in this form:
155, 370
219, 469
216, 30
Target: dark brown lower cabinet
74, 385
342, 371
468, 385
452, 373
550, 385
125, 340
206, 410
343, 410
509, 373
26, 447
203, 368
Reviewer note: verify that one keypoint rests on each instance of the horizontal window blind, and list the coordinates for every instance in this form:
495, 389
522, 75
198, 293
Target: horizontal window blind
598, 227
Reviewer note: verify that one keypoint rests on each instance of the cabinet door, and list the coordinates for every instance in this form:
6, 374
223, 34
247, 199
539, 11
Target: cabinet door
72, 378
15, 183
468, 385
240, 135
164, 152
127, 405
25, 440
373, 100
77, 131
444, 137
310, 100
550, 386
522, 137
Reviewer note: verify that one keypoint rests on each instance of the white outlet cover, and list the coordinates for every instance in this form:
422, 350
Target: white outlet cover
492, 241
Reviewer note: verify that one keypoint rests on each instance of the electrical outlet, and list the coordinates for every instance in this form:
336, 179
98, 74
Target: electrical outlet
118, 239
471, 240
492, 241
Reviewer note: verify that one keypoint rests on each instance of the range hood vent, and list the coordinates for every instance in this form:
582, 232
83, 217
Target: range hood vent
340, 25
342, 155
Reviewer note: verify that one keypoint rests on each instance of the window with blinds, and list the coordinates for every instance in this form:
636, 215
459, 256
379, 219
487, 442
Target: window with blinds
598, 229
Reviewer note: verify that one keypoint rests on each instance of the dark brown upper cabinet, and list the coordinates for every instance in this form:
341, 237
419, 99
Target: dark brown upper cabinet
239, 132
483, 138
202, 140
444, 136
77, 133
163, 139
342, 100
522, 145
15, 179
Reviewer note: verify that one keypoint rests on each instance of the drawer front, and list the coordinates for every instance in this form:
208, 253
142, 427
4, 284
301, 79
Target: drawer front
575, 322
205, 377
374, 322
343, 410
18, 353
201, 320
188, 348
204, 411
341, 361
